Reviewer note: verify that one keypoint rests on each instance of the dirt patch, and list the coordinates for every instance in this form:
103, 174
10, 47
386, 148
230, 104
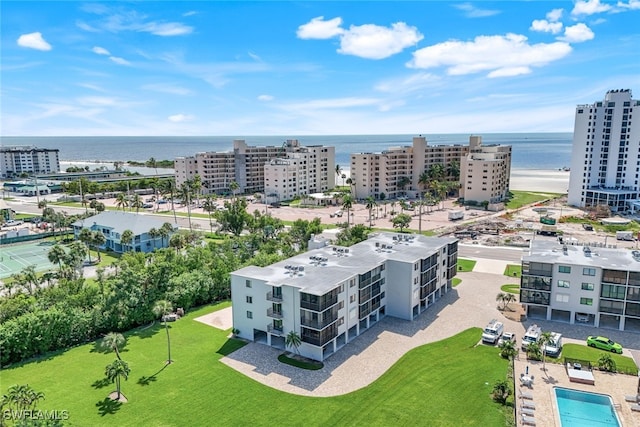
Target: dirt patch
514, 312
114, 396
221, 319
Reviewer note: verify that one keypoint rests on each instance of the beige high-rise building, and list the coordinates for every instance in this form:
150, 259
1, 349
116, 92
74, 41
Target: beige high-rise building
18, 160
485, 172
396, 172
247, 165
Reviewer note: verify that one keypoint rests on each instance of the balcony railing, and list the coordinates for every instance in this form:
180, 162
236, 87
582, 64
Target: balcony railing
274, 298
275, 331
274, 314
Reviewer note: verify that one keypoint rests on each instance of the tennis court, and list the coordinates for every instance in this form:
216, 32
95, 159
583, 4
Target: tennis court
15, 257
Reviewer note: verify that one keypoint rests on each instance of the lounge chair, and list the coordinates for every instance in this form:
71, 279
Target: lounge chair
632, 398
531, 405
526, 395
635, 407
527, 411
530, 421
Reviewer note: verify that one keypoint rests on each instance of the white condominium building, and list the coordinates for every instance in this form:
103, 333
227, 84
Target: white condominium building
330, 295
485, 172
247, 166
18, 160
396, 171
605, 160
595, 286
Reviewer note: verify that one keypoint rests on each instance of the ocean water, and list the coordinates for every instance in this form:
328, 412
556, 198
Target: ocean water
530, 150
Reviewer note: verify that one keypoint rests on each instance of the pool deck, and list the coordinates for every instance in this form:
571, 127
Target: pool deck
615, 385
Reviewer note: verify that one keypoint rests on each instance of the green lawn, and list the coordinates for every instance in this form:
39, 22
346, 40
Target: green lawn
582, 352
447, 383
465, 265
456, 281
512, 288
513, 270
519, 199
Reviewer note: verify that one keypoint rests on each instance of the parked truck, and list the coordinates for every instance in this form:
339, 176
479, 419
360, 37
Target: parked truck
456, 215
492, 332
624, 235
554, 347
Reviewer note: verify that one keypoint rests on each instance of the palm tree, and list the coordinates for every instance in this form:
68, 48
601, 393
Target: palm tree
508, 349
23, 397
403, 182
338, 171
501, 299
185, 194
137, 202
545, 339
126, 239
177, 242
293, 340
424, 180
501, 391
347, 204
56, 255
86, 237
371, 205
165, 231
162, 309
436, 172
112, 341
233, 187
122, 201
453, 170
98, 239
508, 299
209, 206
154, 233
196, 187
117, 369
152, 163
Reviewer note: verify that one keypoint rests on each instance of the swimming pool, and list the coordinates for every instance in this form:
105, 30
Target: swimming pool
585, 409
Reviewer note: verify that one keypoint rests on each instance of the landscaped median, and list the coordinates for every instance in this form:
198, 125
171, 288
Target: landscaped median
445, 383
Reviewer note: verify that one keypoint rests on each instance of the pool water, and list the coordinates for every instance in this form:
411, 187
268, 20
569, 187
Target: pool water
584, 409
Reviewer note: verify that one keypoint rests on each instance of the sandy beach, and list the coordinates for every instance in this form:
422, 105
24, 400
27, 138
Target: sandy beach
546, 180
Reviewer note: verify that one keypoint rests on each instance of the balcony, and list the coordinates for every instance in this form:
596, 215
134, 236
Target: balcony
275, 331
274, 298
274, 314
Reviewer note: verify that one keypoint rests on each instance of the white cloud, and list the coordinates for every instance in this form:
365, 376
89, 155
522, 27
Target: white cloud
589, 7
472, 11
84, 26
544, 26
376, 42
318, 28
554, 15
333, 103
33, 41
420, 81
100, 50
366, 41
166, 29
167, 88
500, 55
178, 118
120, 61
97, 101
631, 4
577, 33
265, 98
190, 13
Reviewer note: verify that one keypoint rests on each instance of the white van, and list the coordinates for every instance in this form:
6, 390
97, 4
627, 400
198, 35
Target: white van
492, 332
554, 348
532, 335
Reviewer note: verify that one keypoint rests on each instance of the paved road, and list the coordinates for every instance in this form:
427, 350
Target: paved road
488, 252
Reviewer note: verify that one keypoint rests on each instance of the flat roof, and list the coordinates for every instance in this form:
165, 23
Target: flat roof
589, 256
326, 267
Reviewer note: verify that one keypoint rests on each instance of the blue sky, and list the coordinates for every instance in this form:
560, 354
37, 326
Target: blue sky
310, 68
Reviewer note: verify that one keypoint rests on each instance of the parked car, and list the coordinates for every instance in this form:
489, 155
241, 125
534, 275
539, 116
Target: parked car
507, 336
604, 343
147, 205
13, 222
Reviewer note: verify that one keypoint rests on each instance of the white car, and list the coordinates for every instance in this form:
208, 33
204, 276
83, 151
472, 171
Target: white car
507, 336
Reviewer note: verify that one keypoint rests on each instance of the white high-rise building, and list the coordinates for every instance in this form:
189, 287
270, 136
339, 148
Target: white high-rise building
18, 160
605, 160
485, 172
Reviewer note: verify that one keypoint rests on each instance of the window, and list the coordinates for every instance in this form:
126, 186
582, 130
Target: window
249, 299
563, 283
587, 286
341, 321
352, 283
589, 272
249, 315
247, 283
586, 301
564, 269
352, 298
562, 298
